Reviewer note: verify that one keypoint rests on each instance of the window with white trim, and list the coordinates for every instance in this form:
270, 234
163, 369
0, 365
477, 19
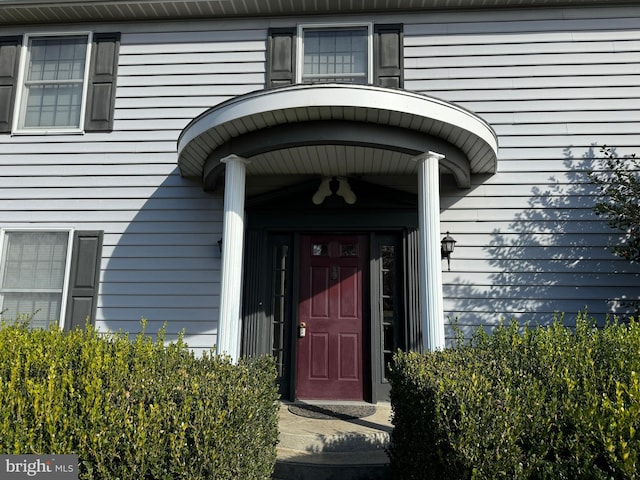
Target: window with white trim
54, 83
360, 53
33, 270
57, 84
340, 54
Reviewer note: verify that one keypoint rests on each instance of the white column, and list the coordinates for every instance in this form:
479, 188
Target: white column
432, 305
228, 342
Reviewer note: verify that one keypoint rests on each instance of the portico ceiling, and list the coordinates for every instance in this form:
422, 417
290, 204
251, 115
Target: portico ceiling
335, 129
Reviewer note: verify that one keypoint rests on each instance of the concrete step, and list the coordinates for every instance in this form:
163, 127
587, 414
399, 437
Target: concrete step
334, 442
331, 466
320, 449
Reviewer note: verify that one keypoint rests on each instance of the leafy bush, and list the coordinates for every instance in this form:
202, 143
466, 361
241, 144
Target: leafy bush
135, 409
522, 403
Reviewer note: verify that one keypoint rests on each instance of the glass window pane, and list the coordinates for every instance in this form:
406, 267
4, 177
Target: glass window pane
45, 307
33, 268
320, 250
388, 337
277, 337
388, 302
335, 55
54, 59
348, 250
387, 283
53, 106
54, 82
388, 256
388, 309
279, 299
34, 260
388, 360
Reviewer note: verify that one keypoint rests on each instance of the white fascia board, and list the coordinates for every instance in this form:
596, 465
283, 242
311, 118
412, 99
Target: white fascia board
342, 96
402, 5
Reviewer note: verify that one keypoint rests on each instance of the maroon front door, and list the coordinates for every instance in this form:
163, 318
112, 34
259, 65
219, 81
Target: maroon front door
329, 360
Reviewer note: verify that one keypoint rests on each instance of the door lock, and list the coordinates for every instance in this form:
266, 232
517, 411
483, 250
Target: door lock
302, 330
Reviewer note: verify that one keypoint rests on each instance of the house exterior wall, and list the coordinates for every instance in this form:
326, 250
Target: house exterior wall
551, 82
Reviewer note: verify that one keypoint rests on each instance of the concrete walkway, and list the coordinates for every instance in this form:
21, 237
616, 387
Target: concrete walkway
323, 449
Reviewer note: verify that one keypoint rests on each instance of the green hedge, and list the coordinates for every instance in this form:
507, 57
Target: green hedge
135, 409
522, 403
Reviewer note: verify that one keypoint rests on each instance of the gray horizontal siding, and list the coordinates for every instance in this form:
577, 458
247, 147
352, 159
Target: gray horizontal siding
58, 193
160, 257
587, 279
551, 84
227, 90
172, 329
130, 143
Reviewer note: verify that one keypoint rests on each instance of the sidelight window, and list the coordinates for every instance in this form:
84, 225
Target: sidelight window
280, 299
389, 304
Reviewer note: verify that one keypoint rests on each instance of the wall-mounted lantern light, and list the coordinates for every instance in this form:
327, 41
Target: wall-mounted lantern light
220, 245
447, 245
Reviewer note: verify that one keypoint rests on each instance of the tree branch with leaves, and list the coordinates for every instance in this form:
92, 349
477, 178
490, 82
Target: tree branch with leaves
619, 199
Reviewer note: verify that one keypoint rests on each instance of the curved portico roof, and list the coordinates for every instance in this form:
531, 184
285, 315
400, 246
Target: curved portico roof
335, 129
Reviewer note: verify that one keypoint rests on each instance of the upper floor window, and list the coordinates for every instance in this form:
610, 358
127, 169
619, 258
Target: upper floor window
54, 83
335, 54
58, 83
358, 53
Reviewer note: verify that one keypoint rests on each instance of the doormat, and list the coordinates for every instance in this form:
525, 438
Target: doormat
332, 412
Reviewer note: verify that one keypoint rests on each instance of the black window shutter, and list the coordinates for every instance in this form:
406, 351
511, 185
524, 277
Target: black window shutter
388, 65
83, 280
9, 61
281, 61
102, 82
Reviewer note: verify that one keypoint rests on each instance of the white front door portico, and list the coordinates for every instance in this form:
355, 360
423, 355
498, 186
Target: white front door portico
335, 130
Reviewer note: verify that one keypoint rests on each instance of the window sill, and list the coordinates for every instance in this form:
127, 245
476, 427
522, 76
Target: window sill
51, 131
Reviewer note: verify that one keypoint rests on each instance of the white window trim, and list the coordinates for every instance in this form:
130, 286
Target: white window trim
310, 26
67, 267
18, 106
